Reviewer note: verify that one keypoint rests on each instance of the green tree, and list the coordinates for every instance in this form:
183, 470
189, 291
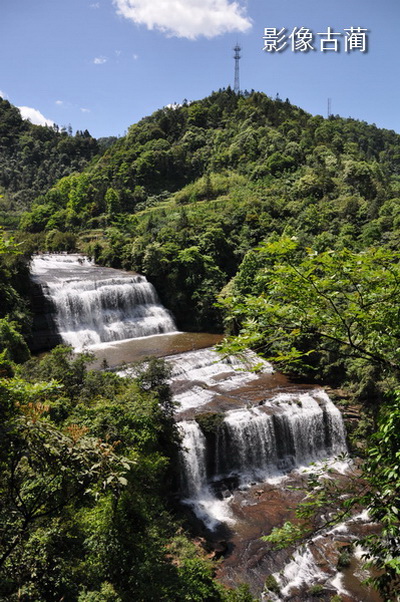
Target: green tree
344, 305
339, 303
112, 200
12, 342
382, 499
44, 470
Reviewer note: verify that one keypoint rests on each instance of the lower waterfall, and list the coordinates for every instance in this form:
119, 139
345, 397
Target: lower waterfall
94, 304
255, 444
302, 429
200, 496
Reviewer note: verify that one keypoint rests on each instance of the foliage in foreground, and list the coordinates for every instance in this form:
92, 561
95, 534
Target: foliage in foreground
332, 314
325, 313
382, 471
86, 463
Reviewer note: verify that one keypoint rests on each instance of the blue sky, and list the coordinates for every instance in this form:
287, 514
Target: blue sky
102, 65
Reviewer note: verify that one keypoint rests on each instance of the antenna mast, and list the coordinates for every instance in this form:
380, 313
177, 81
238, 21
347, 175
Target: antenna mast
236, 56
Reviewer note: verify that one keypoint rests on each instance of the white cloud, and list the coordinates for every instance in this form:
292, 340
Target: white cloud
100, 60
95, 5
135, 57
59, 103
3, 94
186, 18
85, 110
34, 116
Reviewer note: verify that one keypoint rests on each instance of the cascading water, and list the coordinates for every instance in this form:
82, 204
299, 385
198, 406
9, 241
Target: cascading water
94, 305
257, 443
252, 433
199, 495
316, 564
209, 366
302, 429
199, 376
193, 457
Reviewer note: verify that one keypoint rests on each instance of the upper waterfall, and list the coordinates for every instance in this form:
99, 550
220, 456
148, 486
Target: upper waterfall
95, 304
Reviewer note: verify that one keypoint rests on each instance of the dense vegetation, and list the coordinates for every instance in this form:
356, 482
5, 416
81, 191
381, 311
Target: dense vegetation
290, 221
335, 315
190, 190
33, 158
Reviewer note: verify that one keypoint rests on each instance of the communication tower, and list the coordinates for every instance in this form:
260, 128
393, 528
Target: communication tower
236, 56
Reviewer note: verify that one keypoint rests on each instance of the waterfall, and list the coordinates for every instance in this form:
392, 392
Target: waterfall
193, 457
253, 444
94, 305
303, 428
196, 375
304, 568
197, 490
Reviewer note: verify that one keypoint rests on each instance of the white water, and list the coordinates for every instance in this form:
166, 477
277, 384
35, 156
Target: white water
302, 569
209, 366
44, 264
257, 444
199, 376
199, 495
95, 305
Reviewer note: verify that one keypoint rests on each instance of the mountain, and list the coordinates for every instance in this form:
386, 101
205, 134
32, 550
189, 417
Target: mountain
192, 188
251, 135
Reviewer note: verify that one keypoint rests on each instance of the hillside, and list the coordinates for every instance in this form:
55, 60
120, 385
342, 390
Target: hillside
191, 189
33, 158
251, 135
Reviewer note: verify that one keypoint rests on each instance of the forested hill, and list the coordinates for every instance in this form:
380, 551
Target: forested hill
33, 158
251, 135
192, 188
